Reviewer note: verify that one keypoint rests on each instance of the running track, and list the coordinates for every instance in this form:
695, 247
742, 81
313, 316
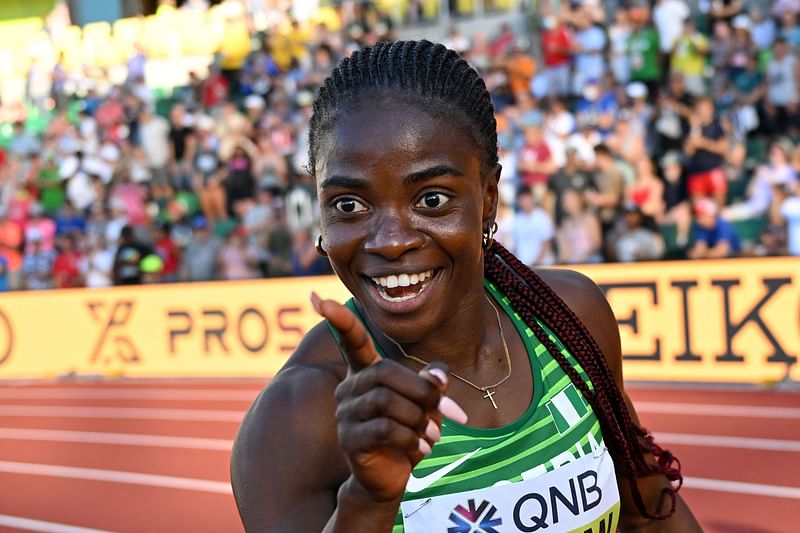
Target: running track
153, 456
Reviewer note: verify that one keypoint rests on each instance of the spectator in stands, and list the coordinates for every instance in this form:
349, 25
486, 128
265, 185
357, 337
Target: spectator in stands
37, 263
535, 162
199, 260
790, 210
676, 105
239, 182
556, 44
618, 34
181, 146
609, 187
646, 193
532, 231
668, 17
644, 51
166, 248
154, 133
588, 52
688, 58
69, 266
572, 176
99, 262
23, 143
633, 240
237, 260
777, 173
127, 260
764, 30
714, 238
40, 229
783, 90
706, 147
579, 236
11, 239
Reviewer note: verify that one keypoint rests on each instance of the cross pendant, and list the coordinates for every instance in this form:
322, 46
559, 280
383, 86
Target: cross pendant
489, 395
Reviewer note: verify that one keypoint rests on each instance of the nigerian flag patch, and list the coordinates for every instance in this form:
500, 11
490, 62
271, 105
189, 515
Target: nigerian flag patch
567, 408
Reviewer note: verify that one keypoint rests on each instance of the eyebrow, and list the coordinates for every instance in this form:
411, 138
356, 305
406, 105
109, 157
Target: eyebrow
432, 172
344, 182
347, 182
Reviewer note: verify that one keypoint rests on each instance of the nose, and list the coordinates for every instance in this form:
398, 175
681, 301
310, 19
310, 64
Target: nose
392, 236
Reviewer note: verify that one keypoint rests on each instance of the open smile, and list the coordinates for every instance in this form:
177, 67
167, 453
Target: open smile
404, 292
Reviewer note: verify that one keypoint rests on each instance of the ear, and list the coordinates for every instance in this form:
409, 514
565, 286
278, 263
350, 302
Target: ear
490, 195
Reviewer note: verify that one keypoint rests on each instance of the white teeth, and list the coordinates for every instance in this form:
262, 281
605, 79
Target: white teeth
403, 280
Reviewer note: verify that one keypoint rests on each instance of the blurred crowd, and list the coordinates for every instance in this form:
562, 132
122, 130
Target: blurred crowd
650, 132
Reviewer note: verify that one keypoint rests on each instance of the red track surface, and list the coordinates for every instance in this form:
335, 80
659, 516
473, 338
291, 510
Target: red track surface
40, 424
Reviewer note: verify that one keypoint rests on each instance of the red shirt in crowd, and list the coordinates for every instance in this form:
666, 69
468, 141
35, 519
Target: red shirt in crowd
167, 250
532, 154
67, 270
556, 44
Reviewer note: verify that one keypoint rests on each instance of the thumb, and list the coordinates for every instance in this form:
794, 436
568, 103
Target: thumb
358, 347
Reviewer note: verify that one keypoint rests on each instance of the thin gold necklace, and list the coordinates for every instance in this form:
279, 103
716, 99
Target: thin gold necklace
488, 389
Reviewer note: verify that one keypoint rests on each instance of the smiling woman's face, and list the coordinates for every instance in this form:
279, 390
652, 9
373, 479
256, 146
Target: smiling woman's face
403, 207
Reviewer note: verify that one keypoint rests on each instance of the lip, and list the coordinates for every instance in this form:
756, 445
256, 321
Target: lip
408, 306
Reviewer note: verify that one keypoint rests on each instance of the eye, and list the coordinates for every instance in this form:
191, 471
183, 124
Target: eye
433, 200
349, 205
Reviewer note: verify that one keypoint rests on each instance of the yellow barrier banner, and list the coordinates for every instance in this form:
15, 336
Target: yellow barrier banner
710, 321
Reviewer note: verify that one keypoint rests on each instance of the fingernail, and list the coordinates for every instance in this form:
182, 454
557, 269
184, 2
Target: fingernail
425, 448
433, 432
449, 408
315, 301
439, 374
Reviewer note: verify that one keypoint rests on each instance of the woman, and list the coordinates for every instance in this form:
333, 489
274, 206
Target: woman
403, 150
580, 237
647, 191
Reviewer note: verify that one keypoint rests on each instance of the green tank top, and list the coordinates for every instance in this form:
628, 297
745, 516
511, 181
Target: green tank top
549, 469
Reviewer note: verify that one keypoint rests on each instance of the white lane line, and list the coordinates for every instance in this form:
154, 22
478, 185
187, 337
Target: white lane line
116, 476
141, 413
739, 487
29, 524
703, 409
723, 441
129, 393
127, 439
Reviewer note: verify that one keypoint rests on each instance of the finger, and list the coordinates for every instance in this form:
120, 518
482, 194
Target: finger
391, 374
357, 344
384, 402
381, 433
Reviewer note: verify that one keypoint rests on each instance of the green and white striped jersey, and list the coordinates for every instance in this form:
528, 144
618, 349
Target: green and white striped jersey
548, 470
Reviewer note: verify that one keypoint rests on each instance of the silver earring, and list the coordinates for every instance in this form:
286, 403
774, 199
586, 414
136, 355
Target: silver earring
318, 245
488, 236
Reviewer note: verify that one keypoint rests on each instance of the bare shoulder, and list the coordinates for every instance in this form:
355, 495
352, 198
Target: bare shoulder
286, 452
588, 302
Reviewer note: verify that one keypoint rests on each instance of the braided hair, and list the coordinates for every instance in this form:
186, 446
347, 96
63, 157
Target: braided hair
438, 80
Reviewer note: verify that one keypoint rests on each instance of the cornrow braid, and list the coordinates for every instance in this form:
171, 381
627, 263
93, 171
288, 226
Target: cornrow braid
534, 300
421, 72
439, 81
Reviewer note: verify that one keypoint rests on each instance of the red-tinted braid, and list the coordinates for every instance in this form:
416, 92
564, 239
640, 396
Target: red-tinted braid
534, 300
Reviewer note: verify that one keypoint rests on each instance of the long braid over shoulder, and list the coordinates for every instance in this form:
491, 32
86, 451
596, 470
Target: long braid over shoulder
440, 82
535, 301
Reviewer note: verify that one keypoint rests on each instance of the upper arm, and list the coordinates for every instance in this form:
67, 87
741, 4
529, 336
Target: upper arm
285, 466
